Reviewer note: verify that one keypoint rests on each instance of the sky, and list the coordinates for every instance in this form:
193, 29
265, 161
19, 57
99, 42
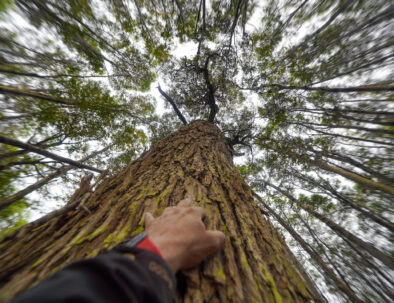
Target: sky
188, 50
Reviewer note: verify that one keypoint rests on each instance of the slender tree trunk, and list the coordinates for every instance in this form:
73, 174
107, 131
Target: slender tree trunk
360, 271
315, 257
370, 130
361, 88
354, 177
357, 139
40, 145
195, 161
352, 161
367, 212
7, 118
31, 93
369, 247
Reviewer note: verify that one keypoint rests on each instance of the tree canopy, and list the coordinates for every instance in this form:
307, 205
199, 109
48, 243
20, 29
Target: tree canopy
302, 90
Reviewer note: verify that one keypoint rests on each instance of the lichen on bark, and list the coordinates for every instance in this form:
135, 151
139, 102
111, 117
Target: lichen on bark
194, 161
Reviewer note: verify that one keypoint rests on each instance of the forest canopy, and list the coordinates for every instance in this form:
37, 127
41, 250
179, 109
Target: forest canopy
302, 90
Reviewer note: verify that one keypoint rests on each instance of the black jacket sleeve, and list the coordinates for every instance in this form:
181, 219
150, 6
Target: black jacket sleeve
112, 277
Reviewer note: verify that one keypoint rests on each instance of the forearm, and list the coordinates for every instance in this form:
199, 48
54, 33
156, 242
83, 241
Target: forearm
139, 276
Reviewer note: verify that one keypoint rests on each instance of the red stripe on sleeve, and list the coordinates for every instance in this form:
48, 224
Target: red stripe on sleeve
148, 244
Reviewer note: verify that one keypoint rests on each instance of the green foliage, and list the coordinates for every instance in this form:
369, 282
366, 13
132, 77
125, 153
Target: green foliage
4, 5
13, 217
270, 71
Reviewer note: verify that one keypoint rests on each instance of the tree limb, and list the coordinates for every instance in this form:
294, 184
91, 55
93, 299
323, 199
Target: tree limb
24, 192
361, 88
236, 17
45, 153
32, 93
171, 101
211, 90
4, 118
22, 152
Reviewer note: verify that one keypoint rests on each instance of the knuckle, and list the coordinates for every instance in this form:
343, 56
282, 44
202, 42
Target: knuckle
189, 210
170, 209
199, 209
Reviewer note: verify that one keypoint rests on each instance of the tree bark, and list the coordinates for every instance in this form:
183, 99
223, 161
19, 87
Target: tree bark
195, 161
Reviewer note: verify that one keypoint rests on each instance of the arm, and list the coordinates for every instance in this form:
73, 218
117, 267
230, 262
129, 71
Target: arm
177, 239
136, 276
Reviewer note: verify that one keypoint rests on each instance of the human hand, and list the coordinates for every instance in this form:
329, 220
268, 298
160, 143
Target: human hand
180, 235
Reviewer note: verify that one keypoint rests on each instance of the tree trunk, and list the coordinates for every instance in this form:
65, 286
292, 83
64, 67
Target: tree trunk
352, 176
367, 212
340, 231
316, 257
195, 161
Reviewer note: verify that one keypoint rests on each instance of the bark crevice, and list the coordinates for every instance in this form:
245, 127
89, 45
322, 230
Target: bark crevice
195, 161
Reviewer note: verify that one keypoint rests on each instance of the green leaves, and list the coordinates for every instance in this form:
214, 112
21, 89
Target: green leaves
289, 84
13, 217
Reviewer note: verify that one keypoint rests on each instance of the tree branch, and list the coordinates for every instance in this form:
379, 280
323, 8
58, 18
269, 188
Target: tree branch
45, 153
361, 88
34, 94
236, 17
24, 192
31, 93
171, 101
323, 27
35, 75
4, 118
211, 90
38, 144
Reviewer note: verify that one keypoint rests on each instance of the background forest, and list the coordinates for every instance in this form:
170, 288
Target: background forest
303, 90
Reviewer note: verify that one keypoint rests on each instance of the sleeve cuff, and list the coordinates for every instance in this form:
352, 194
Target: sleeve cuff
148, 245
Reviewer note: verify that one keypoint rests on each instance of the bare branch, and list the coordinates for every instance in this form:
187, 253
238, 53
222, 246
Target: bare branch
211, 90
362, 88
171, 101
45, 153
236, 17
19, 195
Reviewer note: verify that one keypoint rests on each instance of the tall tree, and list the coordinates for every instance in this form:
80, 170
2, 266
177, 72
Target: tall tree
195, 161
301, 90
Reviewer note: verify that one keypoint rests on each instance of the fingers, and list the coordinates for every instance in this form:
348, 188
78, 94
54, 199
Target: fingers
215, 240
188, 202
201, 212
185, 203
148, 219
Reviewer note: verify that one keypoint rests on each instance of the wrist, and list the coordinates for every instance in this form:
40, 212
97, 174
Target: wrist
149, 245
169, 252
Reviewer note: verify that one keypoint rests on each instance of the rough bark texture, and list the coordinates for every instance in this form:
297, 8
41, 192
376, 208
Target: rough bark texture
195, 161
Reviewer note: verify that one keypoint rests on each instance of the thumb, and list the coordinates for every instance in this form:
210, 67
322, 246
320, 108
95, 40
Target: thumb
215, 240
148, 219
